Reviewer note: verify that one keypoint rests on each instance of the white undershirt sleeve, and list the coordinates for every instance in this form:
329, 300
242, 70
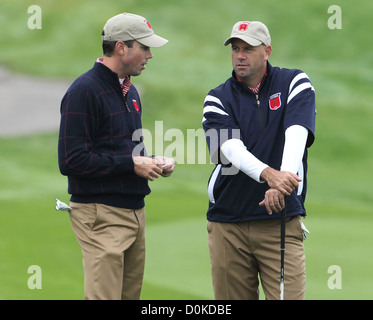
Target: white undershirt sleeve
237, 154
295, 143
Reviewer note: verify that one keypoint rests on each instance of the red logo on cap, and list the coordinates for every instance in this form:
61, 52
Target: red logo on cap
146, 21
243, 26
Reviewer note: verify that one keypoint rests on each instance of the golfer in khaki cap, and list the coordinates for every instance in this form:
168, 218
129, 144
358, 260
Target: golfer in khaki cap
259, 125
128, 26
101, 152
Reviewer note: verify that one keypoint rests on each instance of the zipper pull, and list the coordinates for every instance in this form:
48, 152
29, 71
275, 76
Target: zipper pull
259, 114
125, 102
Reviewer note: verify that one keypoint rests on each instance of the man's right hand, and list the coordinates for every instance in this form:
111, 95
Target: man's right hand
148, 168
283, 181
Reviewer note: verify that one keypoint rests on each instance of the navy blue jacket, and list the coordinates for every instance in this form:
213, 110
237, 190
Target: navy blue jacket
96, 140
286, 97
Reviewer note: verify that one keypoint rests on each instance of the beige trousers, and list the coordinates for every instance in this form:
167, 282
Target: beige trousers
113, 246
239, 252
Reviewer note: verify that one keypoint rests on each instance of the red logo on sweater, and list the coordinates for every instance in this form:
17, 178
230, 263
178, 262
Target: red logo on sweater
136, 105
275, 101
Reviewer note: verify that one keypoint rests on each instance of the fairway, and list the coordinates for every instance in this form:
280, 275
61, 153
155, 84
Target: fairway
181, 251
173, 87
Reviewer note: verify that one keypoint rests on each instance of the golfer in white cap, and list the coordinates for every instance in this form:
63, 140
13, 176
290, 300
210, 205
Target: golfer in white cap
100, 114
264, 122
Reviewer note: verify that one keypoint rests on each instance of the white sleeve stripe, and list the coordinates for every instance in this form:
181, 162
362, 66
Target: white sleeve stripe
214, 109
211, 185
203, 119
299, 89
296, 79
213, 99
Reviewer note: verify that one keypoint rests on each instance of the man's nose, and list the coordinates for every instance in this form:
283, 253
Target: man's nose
149, 54
241, 55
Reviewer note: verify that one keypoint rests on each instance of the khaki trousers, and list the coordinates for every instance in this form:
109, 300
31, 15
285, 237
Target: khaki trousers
239, 252
113, 246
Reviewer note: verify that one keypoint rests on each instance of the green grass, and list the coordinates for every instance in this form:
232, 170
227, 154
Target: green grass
173, 87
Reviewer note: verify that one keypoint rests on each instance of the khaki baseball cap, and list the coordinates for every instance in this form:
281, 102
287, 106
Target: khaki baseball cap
128, 26
252, 32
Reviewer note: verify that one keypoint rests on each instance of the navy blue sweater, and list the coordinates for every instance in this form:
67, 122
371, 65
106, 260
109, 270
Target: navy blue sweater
96, 141
286, 97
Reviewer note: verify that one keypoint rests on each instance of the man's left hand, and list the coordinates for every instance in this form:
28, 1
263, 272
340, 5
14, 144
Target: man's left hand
274, 201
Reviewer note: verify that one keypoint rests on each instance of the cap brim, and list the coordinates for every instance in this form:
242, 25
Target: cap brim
153, 41
251, 41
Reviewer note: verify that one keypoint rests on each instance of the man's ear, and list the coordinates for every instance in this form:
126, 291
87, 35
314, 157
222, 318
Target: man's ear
121, 48
268, 51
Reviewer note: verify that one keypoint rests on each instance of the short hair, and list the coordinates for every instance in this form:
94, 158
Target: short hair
109, 46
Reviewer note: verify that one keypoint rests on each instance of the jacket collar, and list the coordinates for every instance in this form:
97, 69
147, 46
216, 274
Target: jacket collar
239, 84
106, 73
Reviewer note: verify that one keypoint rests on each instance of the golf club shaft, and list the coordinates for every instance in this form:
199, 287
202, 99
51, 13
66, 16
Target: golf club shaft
282, 248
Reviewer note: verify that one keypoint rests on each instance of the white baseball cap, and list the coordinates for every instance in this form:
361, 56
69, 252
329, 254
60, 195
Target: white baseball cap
128, 26
252, 32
